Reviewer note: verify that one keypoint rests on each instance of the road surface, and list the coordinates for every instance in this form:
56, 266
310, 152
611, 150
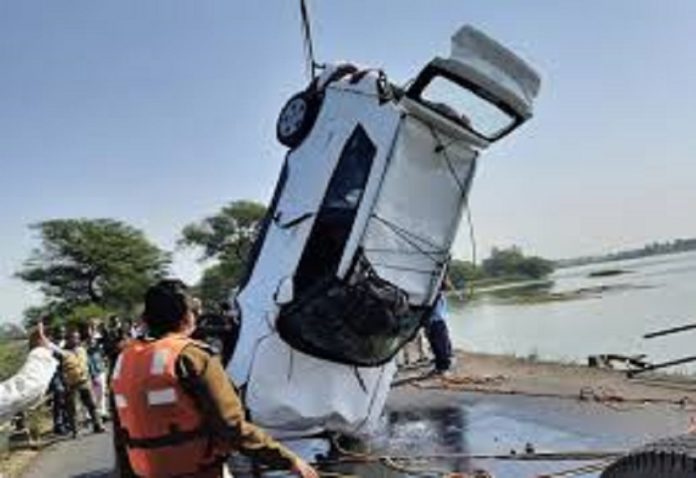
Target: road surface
89, 456
430, 421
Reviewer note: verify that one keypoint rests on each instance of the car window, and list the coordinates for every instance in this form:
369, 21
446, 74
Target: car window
336, 215
466, 107
353, 168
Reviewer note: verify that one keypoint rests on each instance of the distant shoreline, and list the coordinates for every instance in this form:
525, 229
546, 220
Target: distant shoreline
677, 246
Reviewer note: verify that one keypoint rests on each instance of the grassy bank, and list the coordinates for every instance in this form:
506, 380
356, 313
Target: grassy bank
13, 353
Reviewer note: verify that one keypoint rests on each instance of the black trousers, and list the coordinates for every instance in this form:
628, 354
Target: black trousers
60, 416
440, 344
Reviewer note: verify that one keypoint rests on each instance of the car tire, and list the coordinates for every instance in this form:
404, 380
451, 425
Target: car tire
297, 117
668, 458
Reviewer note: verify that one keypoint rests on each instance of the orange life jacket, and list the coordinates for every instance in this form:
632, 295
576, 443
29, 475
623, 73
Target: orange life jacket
161, 425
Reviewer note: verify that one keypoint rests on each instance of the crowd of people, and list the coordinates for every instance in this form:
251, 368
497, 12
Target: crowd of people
85, 354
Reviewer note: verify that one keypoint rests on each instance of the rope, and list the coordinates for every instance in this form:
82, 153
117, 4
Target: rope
463, 186
349, 456
580, 470
441, 148
411, 239
416, 465
472, 239
404, 268
390, 462
310, 63
587, 394
397, 250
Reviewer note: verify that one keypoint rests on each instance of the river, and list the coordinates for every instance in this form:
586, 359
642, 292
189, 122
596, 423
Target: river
656, 292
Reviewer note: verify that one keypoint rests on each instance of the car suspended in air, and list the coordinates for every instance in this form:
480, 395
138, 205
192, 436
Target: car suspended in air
357, 238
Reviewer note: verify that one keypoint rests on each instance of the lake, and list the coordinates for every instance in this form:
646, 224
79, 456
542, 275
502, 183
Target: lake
656, 292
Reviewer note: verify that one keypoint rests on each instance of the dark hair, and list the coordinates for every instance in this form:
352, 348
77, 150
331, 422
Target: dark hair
166, 303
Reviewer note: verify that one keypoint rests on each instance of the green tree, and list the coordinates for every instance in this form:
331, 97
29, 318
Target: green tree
225, 240
536, 267
511, 262
503, 262
80, 315
92, 261
219, 280
462, 273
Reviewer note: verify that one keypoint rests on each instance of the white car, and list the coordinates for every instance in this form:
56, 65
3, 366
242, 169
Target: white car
352, 253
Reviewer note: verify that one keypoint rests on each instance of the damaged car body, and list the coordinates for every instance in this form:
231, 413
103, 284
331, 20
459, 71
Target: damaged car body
357, 238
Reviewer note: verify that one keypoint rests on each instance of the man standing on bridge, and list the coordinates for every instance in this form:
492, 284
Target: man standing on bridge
177, 412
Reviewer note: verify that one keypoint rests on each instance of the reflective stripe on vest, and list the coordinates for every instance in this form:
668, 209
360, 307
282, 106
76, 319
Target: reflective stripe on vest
166, 396
121, 401
159, 361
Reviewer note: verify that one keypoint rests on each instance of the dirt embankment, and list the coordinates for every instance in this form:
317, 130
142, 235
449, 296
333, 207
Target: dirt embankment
513, 376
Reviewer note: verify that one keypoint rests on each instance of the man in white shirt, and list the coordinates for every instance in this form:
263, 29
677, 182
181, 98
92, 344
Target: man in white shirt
26, 387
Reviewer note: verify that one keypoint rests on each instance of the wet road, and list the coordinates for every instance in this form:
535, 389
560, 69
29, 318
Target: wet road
89, 456
420, 423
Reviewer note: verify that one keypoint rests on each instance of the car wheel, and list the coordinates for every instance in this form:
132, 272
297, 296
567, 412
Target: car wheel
297, 118
668, 458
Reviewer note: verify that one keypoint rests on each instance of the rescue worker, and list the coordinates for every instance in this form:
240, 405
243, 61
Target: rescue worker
177, 413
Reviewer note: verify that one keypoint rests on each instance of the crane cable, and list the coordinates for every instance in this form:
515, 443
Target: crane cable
310, 62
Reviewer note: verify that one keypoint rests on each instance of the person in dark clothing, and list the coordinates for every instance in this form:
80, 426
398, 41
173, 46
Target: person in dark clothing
57, 387
113, 337
438, 336
58, 404
219, 330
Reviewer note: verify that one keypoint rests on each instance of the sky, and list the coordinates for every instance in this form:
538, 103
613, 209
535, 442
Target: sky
158, 113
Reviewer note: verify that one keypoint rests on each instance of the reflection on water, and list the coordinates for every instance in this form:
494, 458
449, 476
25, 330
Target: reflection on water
418, 432
453, 433
658, 292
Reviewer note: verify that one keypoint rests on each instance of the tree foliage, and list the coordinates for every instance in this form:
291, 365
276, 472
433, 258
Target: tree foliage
81, 315
509, 263
462, 273
512, 262
92, 261
219, 280
229, 233
225, 240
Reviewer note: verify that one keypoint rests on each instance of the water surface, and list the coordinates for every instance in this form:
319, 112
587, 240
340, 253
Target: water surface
655, 293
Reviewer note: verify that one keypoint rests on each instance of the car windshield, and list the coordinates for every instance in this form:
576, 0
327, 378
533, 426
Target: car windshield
466, 107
